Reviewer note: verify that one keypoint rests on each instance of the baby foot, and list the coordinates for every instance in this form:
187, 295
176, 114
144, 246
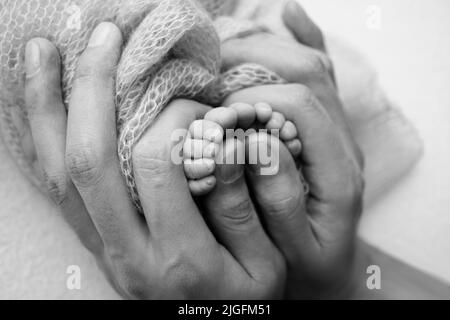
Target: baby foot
205, 139
203, 143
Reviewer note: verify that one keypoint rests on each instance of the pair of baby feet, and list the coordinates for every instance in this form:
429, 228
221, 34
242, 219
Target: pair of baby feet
207, 139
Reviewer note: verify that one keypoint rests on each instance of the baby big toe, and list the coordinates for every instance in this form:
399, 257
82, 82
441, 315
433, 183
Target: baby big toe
246, 114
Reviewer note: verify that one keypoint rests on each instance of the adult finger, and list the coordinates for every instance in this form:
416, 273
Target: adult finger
300, 64
162, 186
232, 215
91, 156
47, 116
280, 197
302, 27
307, 33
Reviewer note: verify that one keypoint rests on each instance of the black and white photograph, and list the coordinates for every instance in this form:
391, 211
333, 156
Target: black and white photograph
229, 150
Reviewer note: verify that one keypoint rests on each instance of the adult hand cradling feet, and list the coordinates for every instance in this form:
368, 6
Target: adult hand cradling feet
171, 253
316, 232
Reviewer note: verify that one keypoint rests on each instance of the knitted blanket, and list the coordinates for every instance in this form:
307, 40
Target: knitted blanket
172, 50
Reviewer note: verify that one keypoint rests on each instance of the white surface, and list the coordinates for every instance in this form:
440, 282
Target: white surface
411, 52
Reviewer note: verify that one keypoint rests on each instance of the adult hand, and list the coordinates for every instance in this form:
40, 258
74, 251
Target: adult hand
303, 61
316, 232
169, 253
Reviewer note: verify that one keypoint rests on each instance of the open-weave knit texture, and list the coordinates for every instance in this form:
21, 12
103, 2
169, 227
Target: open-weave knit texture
172, 49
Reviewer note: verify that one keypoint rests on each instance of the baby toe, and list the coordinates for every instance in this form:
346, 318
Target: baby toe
294, 147
289, 131
246, 114
199, 168
276, 122
202, 187
227, 118
207, 130
263, 112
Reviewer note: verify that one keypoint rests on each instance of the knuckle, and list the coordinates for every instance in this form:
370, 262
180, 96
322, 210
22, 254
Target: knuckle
152, 163
92, 73
57, 186
284, 209
93, 67
238, 215
84, 165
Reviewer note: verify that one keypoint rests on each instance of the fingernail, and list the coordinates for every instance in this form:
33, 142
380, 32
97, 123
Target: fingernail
32, 59
100, 35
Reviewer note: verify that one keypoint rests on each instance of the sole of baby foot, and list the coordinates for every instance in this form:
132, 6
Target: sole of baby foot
280, 193
280, 197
